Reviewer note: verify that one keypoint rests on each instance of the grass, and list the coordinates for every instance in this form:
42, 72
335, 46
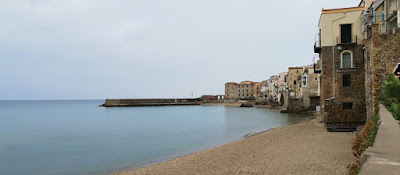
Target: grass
363, 140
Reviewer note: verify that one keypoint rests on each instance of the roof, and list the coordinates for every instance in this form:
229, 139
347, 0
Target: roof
295, 67
231, 83
375, 5
339, 10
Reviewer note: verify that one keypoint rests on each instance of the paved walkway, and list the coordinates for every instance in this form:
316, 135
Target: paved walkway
384, 157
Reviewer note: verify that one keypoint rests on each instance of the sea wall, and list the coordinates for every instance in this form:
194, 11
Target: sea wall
300, 105
384, 156
150, 102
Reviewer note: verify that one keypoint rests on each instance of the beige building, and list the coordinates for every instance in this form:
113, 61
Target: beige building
294, 81
273, 84
310, 82
246, 90
231, 91
340, 49
340, 26
386, 13
282, 87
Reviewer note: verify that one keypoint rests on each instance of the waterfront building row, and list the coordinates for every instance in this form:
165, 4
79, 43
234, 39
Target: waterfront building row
356, 49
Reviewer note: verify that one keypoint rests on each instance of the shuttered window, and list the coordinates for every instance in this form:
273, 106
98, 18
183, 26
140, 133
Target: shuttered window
346, 80
345, 31
346, 60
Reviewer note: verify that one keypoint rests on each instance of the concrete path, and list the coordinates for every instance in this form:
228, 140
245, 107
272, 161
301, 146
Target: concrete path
384, 157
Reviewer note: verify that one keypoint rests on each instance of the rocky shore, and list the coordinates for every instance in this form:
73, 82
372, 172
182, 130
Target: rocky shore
305, 148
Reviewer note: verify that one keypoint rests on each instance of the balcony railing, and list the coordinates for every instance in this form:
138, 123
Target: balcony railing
317, 44
346, 40
317, 64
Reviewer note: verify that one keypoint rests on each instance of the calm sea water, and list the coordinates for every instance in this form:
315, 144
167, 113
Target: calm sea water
77, 137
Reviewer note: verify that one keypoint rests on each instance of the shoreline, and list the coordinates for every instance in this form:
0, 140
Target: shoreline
169, 158
303, 148
155, 167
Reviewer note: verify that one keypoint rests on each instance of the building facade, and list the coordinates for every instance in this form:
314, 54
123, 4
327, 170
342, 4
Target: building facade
382, 48
246, 90
294, 79
283, 88
340, 50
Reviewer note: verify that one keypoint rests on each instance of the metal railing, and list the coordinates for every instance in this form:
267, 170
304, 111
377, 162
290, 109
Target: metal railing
317, 64
346, 40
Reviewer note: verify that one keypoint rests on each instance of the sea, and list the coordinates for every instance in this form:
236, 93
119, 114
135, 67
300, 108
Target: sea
77, 137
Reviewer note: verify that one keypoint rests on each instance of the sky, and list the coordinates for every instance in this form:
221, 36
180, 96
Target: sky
98, 49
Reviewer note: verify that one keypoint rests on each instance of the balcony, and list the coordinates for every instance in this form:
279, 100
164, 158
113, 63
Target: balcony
353, 67
317, 48
317, 64
317, 44
341, 40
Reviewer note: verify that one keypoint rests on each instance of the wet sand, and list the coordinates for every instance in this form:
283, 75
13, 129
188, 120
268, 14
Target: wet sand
301, 149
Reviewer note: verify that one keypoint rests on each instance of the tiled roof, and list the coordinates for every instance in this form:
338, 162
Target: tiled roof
338, 10
232, 83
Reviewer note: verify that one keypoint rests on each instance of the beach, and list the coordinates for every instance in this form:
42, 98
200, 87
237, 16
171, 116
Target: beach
305, 148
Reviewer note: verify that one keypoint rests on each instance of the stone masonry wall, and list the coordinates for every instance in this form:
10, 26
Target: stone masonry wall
355, 93
382, 57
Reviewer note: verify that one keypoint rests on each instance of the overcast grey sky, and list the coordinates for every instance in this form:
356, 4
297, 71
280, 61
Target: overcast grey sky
96, 49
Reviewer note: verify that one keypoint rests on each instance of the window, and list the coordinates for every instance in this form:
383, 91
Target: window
347, 59
285, 79
294, 82
239, 95
347, 106
345, 33
346, 80
304, 80
239, 90
247, 94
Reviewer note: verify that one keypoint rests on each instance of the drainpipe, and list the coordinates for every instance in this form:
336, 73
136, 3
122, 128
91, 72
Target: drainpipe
398, 18
333, 57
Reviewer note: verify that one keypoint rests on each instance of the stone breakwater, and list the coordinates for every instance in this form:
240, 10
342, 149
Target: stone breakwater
151, 102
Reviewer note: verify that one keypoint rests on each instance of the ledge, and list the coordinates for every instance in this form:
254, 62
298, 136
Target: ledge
384, 156
347, 69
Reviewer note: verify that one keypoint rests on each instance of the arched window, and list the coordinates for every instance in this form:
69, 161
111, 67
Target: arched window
347, 59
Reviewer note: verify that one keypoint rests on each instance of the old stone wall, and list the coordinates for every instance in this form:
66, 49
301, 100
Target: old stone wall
382, 54
295, 105
355, 93
299, 105
149, 102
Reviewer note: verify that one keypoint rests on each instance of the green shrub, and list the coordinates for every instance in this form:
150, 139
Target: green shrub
364, 139
390, 90
395, 109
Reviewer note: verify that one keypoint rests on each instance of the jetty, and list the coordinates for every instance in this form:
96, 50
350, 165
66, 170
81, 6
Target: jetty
151, 102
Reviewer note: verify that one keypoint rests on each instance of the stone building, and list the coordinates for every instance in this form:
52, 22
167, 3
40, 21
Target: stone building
246, 90
283, 88
382, 48
310, 88
294, 78
231, 91
340, 48
273, 88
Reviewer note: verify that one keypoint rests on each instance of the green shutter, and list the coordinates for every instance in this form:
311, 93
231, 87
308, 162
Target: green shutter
345, 33
346, 58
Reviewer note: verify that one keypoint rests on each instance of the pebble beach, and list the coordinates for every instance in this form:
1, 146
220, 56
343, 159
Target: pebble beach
302, 149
